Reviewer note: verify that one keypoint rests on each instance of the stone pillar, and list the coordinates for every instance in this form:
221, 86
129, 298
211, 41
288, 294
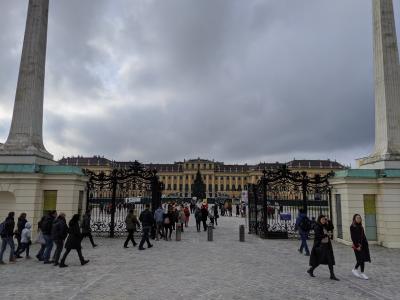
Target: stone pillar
25, 138
387, 90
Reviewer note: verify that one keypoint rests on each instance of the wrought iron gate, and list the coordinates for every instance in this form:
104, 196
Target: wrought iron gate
110, 196
275, 200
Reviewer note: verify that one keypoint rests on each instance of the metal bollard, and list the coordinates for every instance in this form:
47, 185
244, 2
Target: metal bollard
241, 233
178, 232
210, 233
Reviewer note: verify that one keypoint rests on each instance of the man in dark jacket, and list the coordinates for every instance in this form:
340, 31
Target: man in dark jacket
46, 227
7, 237
303, 225
86, 229
59, 233
20, 226
147, 220
204, 216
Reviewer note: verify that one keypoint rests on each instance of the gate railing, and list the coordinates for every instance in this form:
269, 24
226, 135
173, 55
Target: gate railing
275, 200
106, 194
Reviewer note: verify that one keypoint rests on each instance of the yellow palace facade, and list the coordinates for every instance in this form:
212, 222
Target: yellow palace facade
221, 180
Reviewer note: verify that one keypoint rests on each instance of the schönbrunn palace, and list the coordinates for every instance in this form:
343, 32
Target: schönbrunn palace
221, 180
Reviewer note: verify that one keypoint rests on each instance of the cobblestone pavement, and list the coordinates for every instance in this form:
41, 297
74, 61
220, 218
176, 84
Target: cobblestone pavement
197, 269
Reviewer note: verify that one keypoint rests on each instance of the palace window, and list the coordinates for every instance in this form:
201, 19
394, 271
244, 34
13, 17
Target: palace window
227, 187
210, 187
216, 187
180, 187
174, 186
233, 187
222, 187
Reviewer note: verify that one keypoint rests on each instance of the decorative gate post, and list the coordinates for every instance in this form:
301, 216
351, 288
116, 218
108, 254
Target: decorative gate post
304, 184
114, 183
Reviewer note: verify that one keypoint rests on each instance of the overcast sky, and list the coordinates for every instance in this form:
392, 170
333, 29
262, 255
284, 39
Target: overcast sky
230, 80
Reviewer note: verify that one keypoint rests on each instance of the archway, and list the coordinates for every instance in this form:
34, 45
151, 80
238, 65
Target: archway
7, 204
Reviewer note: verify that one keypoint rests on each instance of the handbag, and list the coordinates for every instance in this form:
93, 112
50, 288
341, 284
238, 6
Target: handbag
40, 239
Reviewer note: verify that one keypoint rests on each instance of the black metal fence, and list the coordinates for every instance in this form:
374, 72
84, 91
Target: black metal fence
109, 196
274, 202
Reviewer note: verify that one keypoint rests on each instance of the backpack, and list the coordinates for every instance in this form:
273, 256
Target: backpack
305, 224
46, 224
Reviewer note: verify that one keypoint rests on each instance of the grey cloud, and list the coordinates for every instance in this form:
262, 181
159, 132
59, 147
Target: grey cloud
232, 80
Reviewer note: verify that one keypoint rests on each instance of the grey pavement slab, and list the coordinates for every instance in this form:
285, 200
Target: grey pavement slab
197, 269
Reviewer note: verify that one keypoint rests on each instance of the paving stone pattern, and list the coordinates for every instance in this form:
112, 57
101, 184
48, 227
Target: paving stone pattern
197, 269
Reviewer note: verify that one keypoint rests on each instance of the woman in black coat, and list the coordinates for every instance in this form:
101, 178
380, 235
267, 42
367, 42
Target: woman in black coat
322, 251
73, 241
360, 246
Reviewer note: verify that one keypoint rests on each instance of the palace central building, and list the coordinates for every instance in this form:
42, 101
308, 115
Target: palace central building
221, 180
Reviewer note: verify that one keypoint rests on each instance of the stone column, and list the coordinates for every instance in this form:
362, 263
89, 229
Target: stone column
25, 138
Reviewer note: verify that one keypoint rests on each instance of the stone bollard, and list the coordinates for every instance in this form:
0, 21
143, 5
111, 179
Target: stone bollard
241, 233
210, 233
178, 232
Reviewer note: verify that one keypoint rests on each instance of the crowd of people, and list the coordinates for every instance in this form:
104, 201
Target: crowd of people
52, 231
322, 250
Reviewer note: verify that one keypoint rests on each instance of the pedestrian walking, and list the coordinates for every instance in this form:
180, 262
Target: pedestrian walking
131, 222
7, 233
187, 215
216, 215
59, 233
197, 216
20, 226
86, 228
168, 221
147, 220
181, 218
41, 240
204, 216
159, 219
322, 251
26, 241
303, 225
237, 210
46, 227
74, 241
360, 246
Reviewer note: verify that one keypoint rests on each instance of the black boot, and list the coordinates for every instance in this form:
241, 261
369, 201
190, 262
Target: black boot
310, 271
333, 277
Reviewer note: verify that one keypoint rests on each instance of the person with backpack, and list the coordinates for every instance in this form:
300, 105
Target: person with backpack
303, 225
360, 246
59, 233
86, 229
46, 227
74, 241
26, 241
20, 226
7, 233
131, 223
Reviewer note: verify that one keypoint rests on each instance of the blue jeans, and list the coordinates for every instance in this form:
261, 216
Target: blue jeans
48, 247
304, 237
4, 242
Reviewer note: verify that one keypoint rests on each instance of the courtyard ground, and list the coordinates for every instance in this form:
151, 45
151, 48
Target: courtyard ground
197, 269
